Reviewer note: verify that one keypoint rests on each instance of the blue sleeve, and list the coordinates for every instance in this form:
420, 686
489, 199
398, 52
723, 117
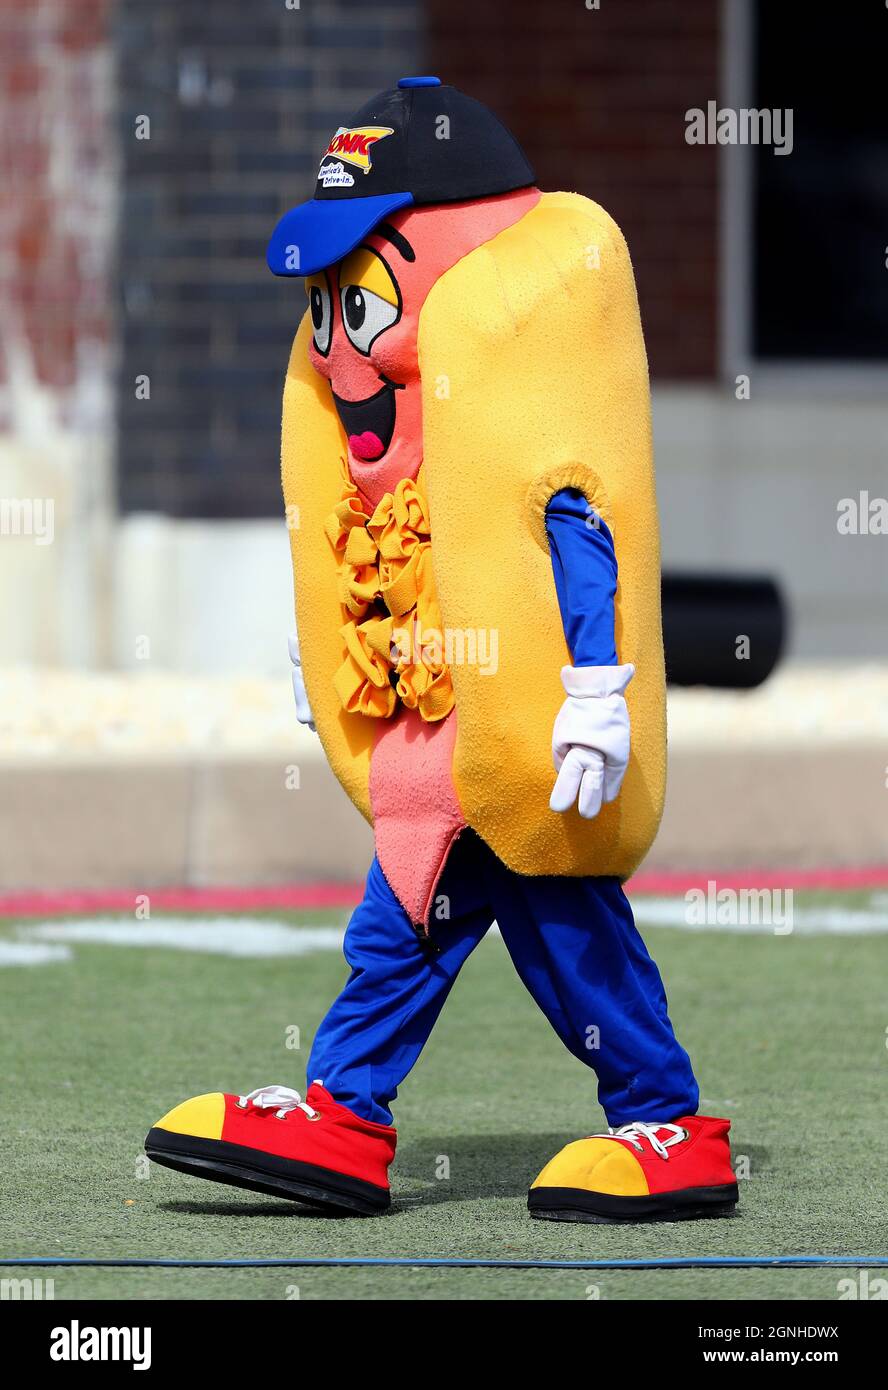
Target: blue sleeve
584, 566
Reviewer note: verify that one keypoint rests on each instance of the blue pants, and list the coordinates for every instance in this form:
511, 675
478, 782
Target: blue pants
574, 944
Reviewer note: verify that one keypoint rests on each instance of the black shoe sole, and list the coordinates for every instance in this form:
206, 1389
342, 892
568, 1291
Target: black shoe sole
239, 1166
600, 1208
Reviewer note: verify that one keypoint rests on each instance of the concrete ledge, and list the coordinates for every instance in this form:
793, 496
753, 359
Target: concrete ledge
93, 826
156, 780
248, 826
158, 825
236, 821
821, 807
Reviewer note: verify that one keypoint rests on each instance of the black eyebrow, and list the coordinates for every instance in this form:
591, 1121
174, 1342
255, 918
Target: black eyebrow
400, 243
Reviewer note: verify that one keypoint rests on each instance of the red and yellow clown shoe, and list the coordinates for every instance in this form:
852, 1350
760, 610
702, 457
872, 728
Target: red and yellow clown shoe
311, 1150
640, 1172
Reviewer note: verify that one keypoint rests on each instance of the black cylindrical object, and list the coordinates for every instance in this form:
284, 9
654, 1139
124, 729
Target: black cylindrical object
720, 631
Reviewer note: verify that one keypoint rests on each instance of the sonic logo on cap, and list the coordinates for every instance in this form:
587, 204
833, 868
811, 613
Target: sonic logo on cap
354, 144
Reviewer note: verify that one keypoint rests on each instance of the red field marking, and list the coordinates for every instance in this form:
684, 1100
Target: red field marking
286, 896
311, 896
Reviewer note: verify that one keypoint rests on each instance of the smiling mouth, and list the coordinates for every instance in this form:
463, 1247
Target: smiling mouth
369, 424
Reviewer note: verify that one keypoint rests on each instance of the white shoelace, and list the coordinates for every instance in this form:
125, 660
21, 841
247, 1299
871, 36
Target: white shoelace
280, 1099
637, 1132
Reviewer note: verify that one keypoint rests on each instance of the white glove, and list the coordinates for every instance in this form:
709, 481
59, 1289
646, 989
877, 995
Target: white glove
590, 740
303, 708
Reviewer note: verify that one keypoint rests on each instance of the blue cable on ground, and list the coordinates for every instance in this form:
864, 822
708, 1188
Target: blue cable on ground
407, 1262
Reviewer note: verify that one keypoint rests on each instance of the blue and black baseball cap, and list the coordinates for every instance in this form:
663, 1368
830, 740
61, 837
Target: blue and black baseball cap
422, 142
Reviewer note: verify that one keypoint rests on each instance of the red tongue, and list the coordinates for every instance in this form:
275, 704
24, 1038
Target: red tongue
367, 446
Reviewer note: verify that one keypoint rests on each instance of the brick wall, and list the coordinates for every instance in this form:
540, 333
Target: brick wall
57, 209
597, 99
241, 100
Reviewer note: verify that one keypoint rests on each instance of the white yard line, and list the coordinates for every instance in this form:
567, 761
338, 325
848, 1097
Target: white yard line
245, 937
31, 953
256, 938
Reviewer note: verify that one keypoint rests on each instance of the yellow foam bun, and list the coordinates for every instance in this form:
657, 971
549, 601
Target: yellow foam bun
312, 445
538, 338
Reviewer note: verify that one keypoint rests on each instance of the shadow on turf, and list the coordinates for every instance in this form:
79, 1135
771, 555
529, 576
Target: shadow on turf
248, 1208
492, 1165
480, 1165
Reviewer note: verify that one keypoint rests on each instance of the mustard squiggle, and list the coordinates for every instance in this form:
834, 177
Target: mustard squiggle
394, 644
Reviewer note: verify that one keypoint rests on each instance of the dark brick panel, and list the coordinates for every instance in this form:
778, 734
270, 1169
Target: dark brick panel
241, 98
598, 98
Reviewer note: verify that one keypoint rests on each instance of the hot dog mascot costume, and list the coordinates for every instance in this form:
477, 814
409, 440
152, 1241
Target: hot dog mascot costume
467, 451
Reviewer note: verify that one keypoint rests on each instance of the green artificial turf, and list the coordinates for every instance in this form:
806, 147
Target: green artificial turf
787, 1035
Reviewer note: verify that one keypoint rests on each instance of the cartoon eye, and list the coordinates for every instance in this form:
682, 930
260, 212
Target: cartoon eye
366, 315
320, 303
